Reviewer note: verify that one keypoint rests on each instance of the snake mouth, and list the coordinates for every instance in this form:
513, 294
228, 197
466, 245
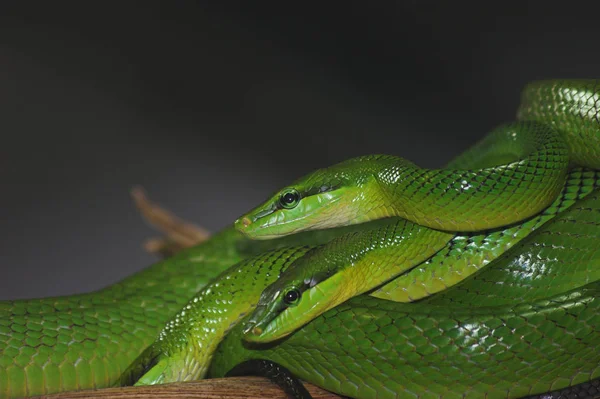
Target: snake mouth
244, 222
314, 213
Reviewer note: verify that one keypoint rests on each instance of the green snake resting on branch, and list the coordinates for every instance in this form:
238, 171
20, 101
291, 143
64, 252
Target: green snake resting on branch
497, 253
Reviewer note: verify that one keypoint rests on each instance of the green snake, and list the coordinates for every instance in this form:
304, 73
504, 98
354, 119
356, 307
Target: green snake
526, 323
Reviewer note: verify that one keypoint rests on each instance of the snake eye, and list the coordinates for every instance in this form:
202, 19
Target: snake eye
291, 297
289, 199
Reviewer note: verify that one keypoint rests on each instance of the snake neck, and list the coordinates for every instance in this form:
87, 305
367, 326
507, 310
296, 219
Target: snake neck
184, 354
184, 348
460, 200
344, 268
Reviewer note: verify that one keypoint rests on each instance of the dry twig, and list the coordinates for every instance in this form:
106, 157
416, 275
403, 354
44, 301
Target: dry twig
179, 233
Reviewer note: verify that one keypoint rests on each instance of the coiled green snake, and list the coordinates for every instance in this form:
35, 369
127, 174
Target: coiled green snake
508, 305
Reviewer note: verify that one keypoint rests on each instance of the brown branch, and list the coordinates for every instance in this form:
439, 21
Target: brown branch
179, 233
222, 388
162, 246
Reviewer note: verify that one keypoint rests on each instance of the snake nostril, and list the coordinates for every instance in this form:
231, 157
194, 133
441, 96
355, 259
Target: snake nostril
252, 329
243, 222
257, 331
246, 222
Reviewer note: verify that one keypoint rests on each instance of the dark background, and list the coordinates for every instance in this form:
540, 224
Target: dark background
212, 105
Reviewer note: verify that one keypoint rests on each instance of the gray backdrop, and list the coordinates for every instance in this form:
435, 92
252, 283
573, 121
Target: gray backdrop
212, 107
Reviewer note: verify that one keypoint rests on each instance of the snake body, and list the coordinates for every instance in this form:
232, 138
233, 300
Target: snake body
448, 329
84, 341
520, 326
471, 199
87, 341
559, 124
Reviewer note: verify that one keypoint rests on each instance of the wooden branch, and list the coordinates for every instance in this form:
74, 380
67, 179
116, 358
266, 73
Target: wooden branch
179, 233
222, 388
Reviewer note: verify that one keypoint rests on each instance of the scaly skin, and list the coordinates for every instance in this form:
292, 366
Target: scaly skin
87, 341
195, 348
466, 200
405, 190
351, 265
370, 348
528, 323
339, 270
465, 254
310, 287
208, 317
355, 263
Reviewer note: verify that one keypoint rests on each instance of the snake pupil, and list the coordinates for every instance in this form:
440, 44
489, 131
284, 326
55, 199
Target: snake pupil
289, 199
291, 297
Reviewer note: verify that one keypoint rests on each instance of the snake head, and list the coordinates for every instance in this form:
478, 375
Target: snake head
300, 295
337, 196
263, 322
